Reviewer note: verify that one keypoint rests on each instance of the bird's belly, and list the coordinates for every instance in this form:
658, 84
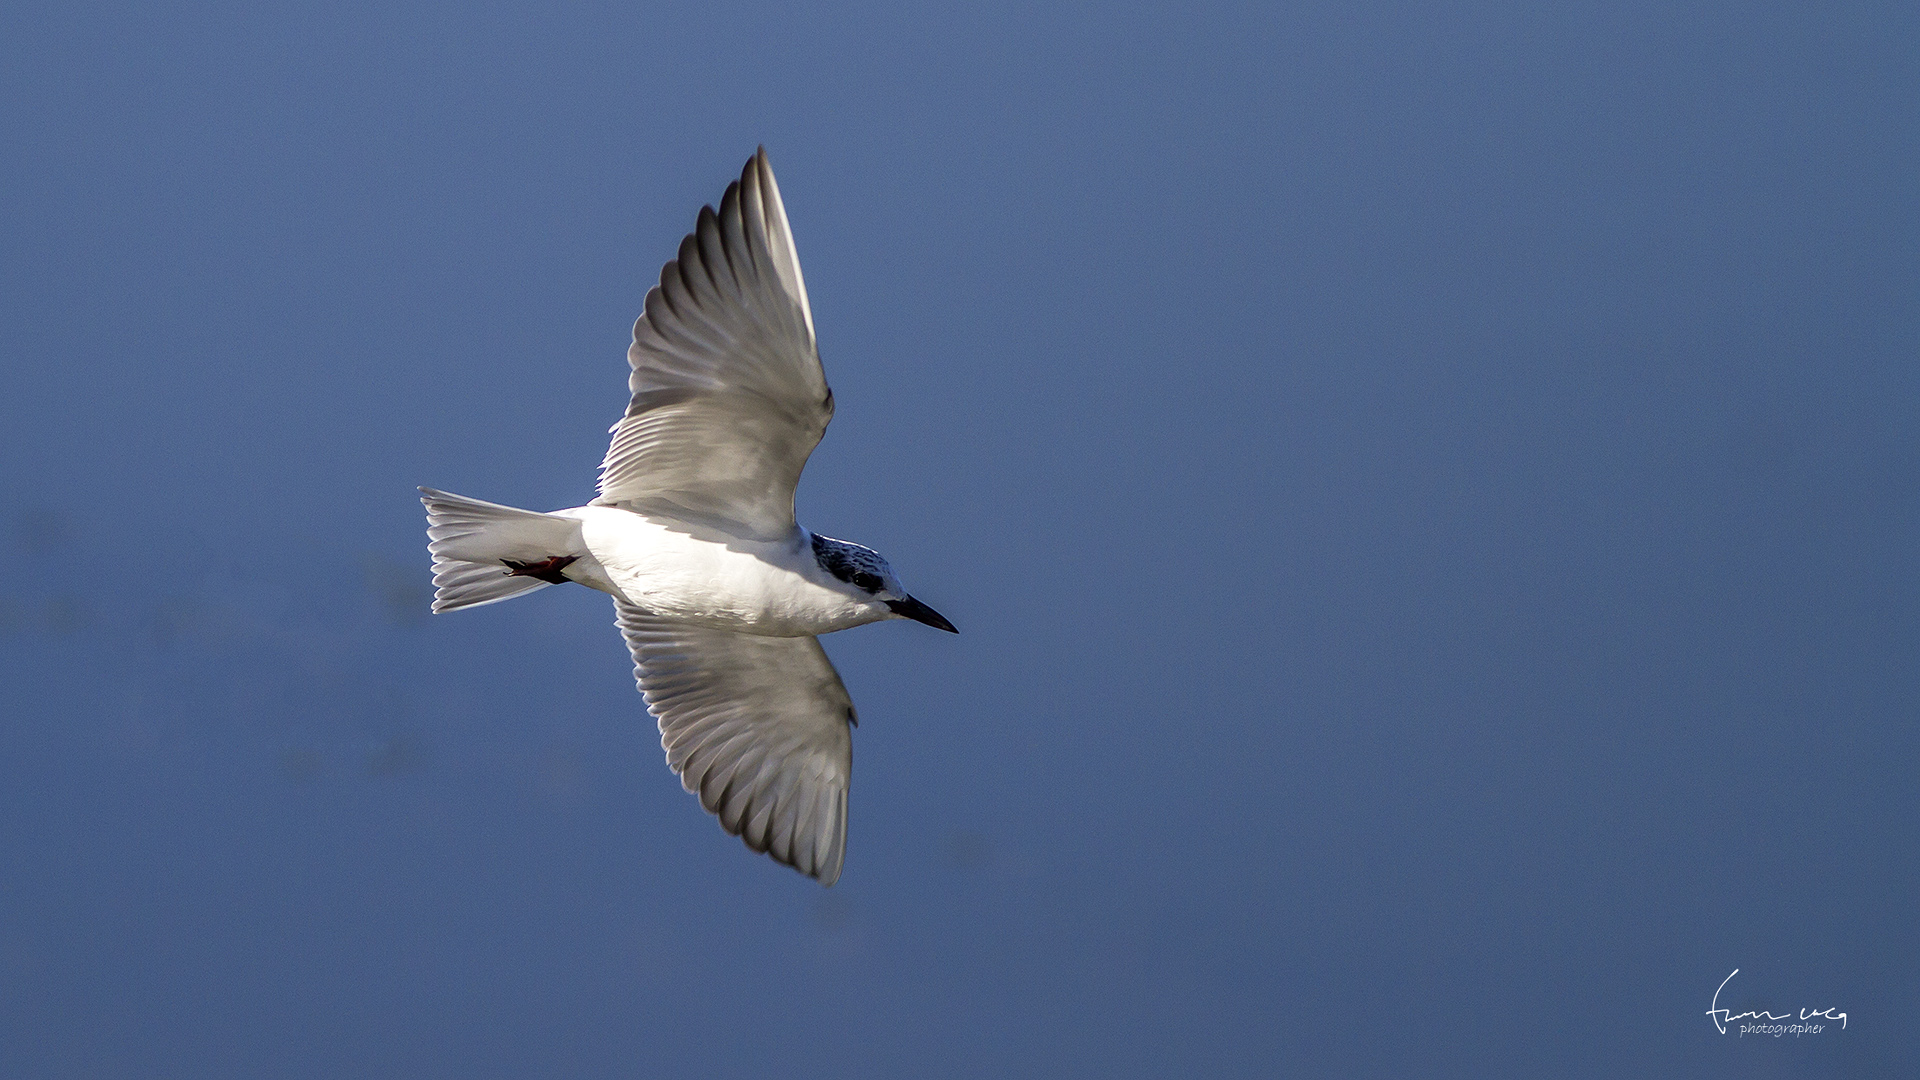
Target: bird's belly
705, 577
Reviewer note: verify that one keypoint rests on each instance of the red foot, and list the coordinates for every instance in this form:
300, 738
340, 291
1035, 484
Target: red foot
547, 570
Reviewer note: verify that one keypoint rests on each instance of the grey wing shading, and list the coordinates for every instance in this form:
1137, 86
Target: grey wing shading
758, 727
728, 396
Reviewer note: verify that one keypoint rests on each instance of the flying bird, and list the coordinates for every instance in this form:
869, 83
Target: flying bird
720, 593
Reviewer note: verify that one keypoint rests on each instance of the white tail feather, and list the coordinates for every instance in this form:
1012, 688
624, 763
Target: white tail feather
471, 541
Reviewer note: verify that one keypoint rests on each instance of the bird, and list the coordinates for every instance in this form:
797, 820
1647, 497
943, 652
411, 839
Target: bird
720, 593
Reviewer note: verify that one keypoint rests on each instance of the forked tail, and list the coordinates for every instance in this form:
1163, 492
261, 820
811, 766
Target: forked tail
484, 553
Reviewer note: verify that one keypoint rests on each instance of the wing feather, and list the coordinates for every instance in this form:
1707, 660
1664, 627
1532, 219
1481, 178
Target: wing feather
728, 396
758, 727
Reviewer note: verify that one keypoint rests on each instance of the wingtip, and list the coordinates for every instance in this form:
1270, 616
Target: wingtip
761, 169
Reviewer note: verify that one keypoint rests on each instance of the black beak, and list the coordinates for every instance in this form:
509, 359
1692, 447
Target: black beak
919, 612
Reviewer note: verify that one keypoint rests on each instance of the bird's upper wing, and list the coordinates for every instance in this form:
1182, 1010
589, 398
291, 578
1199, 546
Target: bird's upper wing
728, 395
758, 727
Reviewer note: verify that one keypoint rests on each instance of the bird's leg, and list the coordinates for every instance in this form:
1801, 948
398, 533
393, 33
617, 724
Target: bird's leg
547, 570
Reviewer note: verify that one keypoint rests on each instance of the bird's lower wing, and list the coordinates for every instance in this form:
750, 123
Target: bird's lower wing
758, 727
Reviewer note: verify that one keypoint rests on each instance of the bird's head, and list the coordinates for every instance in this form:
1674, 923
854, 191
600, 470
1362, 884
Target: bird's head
867, 575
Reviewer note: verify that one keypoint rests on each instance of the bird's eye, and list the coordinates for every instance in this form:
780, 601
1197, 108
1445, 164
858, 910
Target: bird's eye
866, 581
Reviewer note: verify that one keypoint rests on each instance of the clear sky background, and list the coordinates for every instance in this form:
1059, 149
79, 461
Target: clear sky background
1430, 494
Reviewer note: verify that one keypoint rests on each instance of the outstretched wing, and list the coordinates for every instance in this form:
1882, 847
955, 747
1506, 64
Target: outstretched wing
728, 395
758, 727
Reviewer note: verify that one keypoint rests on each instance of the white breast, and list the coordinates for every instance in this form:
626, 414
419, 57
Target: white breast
705, 576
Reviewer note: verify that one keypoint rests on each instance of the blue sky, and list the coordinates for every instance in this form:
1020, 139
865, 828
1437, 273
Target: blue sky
1429, 493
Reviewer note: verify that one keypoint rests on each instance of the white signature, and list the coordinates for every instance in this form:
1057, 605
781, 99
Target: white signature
1723, 1017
